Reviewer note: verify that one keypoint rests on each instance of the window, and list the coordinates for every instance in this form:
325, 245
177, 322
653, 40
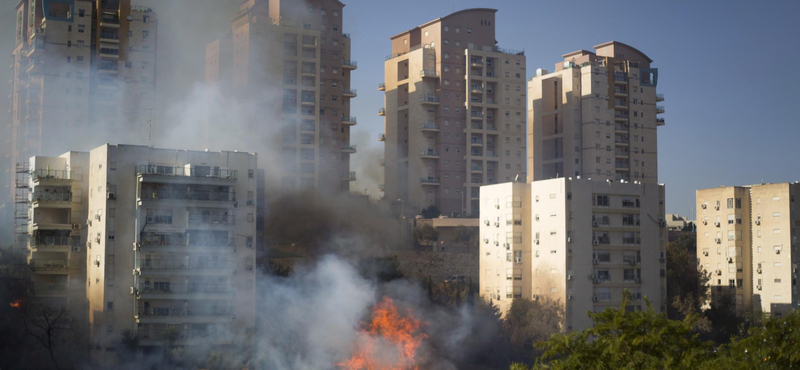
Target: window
81, 28
110, 306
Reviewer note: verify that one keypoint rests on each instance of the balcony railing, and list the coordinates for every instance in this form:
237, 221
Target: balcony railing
476, 140
630, 204
183, 171
190, 195
429, 126
49, 264
349, 175
381, 137
382, 86
52, 197
349, 92
429, 180
428, 73
381, 111
349, 63
180, 264
476, 114
53, 241
349, 147
212, 219
59, 175
169, 288
660, 109
429, 153
180, 311
429, 98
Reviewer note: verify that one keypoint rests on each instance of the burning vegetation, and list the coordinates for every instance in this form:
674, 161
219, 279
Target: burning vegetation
388, 342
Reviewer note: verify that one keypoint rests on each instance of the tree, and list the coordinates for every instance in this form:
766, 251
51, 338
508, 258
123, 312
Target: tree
425, 235
468, 236
622, 339
776, 345
687, 282
431, 212
46, 324
528, 322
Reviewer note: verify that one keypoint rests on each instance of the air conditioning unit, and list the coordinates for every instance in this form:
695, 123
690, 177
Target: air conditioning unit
596, 261
535, 297
537, 217
717, 240
89, 222
705, 253
758, 222
133, 290
112, 196
250, 202
716, 207
250, 245
716, 223
496, 243
638, 280
497, 206
703, 206
76, 226
149, 219
569, 239
97, 263
591, 277
758, 287
508, 246
777, 251
662, 223
97, 217
596, 281
76, 249
758, 271
595, 242
705, 222
486, 241
496, 224
594, 223
569, 296
569, 277
486, 222
536, 241
137, 247
719, 272
594, 298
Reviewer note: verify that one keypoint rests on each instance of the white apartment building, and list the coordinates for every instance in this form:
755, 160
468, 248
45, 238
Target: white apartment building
590, 224
578, 241
747, 241
163, 238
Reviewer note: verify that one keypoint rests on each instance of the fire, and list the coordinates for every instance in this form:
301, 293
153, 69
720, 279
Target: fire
16, 304
391, 332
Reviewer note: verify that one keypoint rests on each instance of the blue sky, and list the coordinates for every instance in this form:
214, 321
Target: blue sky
728, 70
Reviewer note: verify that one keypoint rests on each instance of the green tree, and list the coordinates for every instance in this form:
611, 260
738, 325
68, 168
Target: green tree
425, 235
687, 282
622, 339
468, 236
431, 212
775, 345
528, 322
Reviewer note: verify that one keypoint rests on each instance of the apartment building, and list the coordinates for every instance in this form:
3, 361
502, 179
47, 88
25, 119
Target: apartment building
82, 71
596, 116
746, 240
577, 241
582, 234
57, 206
291, 60
454, 113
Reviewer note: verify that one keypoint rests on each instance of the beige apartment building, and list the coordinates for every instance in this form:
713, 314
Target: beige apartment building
454, 113
596, 116
577, 241
82, 71
291, 59
746, 240
590, 223
142, 239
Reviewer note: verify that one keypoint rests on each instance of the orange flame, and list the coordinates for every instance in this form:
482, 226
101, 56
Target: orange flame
16, 304
388, 328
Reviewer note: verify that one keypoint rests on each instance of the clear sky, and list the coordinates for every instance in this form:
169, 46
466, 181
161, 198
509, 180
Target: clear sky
728, 70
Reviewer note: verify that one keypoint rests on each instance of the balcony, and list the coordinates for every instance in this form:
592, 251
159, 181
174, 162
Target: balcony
201, 175
660, 109
109, 53
476, 169
621, 141
475, 89
659, 97
620, 78
109, 21
430, 180
309, 44
184, 315
184, 291
381, 137
428, 73
350, 121
49, 266
382, 112
209, 219
308, 128
430, 126
349, 176
430, 154
476, 115
52, 177
308, 100
52, 199
382, 86
348, 148
476, 141
349, 93
349, 64
621, 153
621, 116
620, 92
476, 64
429, 99
184, 266
50, 289
58, 244
226, 198
308, 72
660, 122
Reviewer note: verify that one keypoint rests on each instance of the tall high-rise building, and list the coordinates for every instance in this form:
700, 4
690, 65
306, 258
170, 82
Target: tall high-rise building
290, 61
747, 241
590, 224
82, 71
596, 116
142, 239
454, 113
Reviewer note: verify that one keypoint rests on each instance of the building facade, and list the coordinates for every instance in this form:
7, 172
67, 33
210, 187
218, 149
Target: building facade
291, 59
144, 239
577, 233
82, 71
596, 116
454, 113
577, 241
746, 241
